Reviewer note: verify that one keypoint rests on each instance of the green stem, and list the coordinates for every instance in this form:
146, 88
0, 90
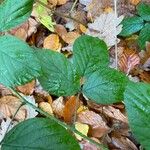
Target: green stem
57, 120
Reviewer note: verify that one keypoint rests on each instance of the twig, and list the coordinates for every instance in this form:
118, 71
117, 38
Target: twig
60, 14
73, 6
116, 46
57, 120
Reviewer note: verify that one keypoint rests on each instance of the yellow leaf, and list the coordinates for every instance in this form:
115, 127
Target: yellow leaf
45, 106
52, 42
134, 2
83, 128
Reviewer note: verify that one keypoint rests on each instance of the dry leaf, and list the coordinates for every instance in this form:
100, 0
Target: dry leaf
128, 60
70, 109
46, 107
4, 91
123, 143
60, 30
27, 89
82, 28
58, 106
70, 37
145, 76
98, 125
61, 2
8, 107
52, 42
106, 27
135, 2
89, 146
82, 128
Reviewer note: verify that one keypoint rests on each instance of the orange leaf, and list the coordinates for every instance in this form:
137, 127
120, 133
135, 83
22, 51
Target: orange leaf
70, 109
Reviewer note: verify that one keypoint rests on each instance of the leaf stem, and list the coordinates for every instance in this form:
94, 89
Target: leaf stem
24, 100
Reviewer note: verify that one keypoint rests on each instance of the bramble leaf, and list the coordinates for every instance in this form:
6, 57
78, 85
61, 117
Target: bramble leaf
131, 25
89, 54
18, 63
144, 11
14, 12
144, 36
137, 102
59, 76
39, 133
105, 86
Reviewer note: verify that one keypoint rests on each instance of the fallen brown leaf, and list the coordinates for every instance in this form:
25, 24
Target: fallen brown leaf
45, 106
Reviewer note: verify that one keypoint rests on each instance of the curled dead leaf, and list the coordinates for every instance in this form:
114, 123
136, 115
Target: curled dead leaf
58, 106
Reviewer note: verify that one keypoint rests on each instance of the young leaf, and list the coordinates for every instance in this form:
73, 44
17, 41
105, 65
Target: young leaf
137, 101
14, 12
38, 134
59, 76
131, 25
105, 86
144, 36
144, 11
18, 63
89, 53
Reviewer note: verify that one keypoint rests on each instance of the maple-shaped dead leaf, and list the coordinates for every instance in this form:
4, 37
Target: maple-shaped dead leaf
128, 60
45, 106
106, 27
27, 89
82, 128
98, 125
52, 42
8, 107
70, 109
58, 106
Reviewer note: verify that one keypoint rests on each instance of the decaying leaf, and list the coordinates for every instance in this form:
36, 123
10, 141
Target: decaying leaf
70, 109
128, 60
8, 107
98, 125
52, 42
70, 37
58, 107
135, 2
145, 76
106, 27
4, 91
45, 106
27, 89
83, 128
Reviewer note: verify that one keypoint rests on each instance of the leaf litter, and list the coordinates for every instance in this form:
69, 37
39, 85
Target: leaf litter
106, 124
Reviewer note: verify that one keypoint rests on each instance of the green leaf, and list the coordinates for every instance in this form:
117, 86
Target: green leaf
131, 25
144, 11
59, 76
89, 54
39, 134
14, 12
144, 36
105, 86
137, 102
18, 63
44, 15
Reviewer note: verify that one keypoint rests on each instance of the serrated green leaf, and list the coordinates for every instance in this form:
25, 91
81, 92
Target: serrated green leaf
44, 15
39, 134
14, 12
137, 102
89, 54
105, 86
18, 63
144, 11
131, 25
59, 76
144, 36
